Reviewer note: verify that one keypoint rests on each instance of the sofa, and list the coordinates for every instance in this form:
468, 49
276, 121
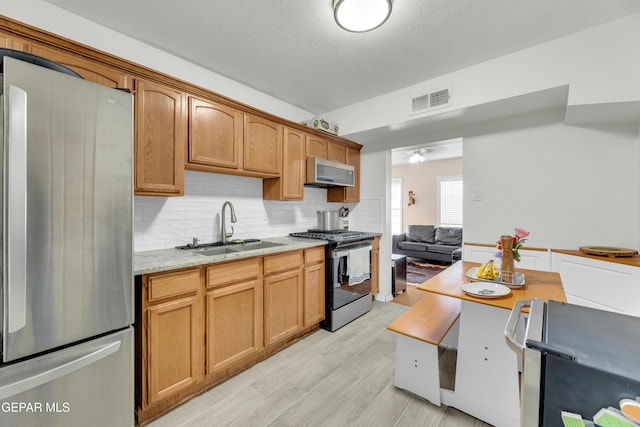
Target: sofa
430, 243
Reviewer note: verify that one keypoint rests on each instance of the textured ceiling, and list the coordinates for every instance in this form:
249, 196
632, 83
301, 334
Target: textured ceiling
293, 50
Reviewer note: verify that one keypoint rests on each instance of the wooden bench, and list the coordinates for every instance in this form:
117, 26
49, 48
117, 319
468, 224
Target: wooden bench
421, 329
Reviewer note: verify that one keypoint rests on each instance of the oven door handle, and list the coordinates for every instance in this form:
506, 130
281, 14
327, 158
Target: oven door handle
536, 306
338, 254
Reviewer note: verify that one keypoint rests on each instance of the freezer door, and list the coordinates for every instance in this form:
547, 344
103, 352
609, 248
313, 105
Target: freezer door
90, 384
67, 194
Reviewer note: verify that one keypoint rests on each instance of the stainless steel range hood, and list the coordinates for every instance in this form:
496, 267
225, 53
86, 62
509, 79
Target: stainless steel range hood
327, 174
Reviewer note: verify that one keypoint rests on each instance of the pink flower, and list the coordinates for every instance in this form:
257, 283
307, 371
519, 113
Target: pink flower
517, 241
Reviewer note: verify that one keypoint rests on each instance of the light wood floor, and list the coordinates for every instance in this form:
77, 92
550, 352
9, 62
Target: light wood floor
410, 296
344, 378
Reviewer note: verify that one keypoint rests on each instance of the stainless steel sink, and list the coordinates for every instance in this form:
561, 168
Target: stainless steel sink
237, 247
215, 250
253, 246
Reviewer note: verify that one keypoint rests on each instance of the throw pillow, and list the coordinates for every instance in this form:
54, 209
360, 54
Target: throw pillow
449, 236
421, 233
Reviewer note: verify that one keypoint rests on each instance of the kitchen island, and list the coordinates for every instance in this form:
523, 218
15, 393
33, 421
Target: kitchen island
486, 380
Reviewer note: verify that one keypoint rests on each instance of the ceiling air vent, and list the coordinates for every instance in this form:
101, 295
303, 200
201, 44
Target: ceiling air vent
420, 103
430, 101
439, 99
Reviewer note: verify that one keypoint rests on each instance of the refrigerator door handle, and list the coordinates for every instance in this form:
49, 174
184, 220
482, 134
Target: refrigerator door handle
48, 375
16, 230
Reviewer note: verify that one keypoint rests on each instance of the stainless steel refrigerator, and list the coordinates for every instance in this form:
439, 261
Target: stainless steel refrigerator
67, 275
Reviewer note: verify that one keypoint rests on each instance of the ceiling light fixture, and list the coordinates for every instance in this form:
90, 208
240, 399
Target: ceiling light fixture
416, 157
359, 16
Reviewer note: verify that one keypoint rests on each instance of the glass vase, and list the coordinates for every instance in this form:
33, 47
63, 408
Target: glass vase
507, 269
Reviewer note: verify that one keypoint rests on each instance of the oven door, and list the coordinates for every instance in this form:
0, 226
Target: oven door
350, 273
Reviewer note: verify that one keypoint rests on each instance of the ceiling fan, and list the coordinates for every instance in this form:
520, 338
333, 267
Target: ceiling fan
417, 156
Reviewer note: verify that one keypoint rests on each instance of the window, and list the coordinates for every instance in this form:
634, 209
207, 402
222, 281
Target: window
396, 206
450, 200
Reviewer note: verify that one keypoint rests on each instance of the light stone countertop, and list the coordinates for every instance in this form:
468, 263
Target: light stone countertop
170, 259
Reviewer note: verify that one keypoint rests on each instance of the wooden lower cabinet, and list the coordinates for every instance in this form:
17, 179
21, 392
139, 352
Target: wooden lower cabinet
202, 325
174, 347
234, 312
174, 334
283, 305
313, 294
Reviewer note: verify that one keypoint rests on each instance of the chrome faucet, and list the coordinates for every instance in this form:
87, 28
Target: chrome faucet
223, 230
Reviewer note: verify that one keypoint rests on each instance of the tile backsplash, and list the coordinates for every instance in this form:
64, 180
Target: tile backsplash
166, 222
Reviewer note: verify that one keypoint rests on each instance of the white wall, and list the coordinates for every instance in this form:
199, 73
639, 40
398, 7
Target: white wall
422, 179
569, 186
375, 196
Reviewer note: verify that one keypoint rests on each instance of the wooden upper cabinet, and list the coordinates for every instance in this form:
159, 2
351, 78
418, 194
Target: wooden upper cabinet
290, 184
352, 194
262, 145
180, 126
8, 41
160, 138
89, 70
348, 194
316, 147
336, 152
215, 134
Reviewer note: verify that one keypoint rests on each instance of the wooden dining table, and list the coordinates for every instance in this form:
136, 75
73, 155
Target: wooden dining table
538, 284
487, 370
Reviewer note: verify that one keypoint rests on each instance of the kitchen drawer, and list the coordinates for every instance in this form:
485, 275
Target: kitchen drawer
284, 262
314, 255
232, 272
165, 285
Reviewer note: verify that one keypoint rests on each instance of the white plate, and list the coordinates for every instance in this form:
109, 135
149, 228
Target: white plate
485, 289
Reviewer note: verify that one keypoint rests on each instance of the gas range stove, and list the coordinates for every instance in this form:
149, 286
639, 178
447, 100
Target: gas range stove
335, 236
